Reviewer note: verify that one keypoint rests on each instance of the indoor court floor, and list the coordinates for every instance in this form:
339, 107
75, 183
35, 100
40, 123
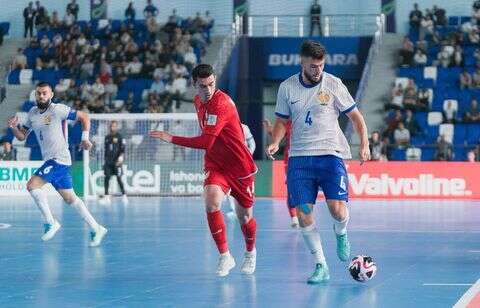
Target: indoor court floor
159, 253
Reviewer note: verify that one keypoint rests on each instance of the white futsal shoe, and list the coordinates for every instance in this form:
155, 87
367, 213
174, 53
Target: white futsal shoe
294, 224
50, 230
225, 264
105, 200
96, 236
250, 262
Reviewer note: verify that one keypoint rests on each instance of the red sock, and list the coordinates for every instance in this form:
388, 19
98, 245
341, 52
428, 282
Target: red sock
218, 230
249, 231
292, 211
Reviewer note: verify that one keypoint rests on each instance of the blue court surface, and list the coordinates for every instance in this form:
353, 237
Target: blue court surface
159, 253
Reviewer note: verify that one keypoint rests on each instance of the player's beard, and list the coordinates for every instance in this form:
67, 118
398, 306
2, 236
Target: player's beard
311, 80
42, 105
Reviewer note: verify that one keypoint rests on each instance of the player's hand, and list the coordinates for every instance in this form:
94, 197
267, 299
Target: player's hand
160, 135
12, 122
119, 161
271, 149
364, 153
86, 145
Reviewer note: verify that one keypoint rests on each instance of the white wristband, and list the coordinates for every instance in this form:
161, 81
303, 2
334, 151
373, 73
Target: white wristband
85, 135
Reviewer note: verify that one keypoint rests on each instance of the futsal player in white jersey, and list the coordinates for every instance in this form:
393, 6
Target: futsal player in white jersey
251, 145
313, 101
48, 121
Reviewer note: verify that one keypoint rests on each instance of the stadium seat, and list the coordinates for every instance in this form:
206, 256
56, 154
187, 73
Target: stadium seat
434, 118
473, 133
398, 154
430, 72
23, 153
413, 154
447, 131
428, 153
459, 134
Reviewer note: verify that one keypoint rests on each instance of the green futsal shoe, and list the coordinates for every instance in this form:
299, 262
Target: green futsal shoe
343, 247
320, 275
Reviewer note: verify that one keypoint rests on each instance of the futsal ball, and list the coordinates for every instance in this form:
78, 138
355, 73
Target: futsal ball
362, 268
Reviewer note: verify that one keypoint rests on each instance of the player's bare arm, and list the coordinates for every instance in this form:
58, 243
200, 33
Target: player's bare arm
279, 130
84, 120
361, 129
19, 133
161, 135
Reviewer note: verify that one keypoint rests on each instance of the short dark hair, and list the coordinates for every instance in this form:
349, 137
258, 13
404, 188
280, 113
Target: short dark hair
202, 71
42, 84
313, 49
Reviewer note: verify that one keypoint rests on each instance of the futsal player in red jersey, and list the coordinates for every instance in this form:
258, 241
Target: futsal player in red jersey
228, 165
269, 128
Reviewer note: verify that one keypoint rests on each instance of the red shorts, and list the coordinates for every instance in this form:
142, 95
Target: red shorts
241, 189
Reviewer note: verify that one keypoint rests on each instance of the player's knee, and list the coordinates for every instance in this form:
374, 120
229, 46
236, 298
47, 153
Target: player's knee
32, 184
70, 199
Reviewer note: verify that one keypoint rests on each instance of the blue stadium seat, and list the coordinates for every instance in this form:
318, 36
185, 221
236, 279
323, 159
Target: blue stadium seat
5, 26
398, 154
14, 77
27, 105
428, 153
473, 133
453, 20
459, 133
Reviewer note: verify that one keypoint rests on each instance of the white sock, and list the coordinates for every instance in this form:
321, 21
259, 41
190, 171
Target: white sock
312, 239
340, 227
41, 200
85, 213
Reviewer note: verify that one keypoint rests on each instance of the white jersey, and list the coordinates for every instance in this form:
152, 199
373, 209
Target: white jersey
314, 112
249, 141
50, 127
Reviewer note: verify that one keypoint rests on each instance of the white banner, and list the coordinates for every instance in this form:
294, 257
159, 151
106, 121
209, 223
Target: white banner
14, 176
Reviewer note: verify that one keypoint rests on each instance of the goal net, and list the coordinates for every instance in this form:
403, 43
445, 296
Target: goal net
151, 167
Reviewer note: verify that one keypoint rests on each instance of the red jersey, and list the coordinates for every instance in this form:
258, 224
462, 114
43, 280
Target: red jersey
228, 154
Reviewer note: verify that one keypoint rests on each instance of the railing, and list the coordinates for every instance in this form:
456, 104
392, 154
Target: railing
228, 44
299, 25
374, 48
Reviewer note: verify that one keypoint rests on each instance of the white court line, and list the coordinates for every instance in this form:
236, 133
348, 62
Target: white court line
467, 297
447, 284
474, 251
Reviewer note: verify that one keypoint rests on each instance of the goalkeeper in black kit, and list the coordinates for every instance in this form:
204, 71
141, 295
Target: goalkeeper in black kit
114, 157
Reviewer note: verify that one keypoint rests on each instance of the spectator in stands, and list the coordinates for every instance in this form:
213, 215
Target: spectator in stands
392, 123
471, 157
150, 10
61, 89
98, 89
55, 22
73, 8
422, 45
473, 36
466, 81
97, 105
420, 59
28, 18
476, 78
444, 151
134, 68
209, 22
401, 135
410, 123
415, 17
396, 101
111, 90
44, 60
426, 27
190, 59
406, 52
20, 60
6, 151
44, 42
315, 18
72, 92
444, 57
440, 16
410, 95
86, 69
177, 89
423, 100
472, 115
41, 17
377, 147
476, 5
476, 56
458, 56
174, 20
158, 86
130, 12
449, 113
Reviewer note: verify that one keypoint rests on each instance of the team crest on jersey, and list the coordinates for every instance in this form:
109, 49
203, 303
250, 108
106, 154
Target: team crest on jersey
211, 119
47, 120
323, 98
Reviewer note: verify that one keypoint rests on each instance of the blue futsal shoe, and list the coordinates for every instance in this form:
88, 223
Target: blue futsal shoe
320, 275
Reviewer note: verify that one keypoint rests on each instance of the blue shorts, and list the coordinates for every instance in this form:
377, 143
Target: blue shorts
307, 174
56, 174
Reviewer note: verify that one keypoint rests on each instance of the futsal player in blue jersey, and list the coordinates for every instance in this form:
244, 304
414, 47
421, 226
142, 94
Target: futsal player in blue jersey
48, 121
313, 100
